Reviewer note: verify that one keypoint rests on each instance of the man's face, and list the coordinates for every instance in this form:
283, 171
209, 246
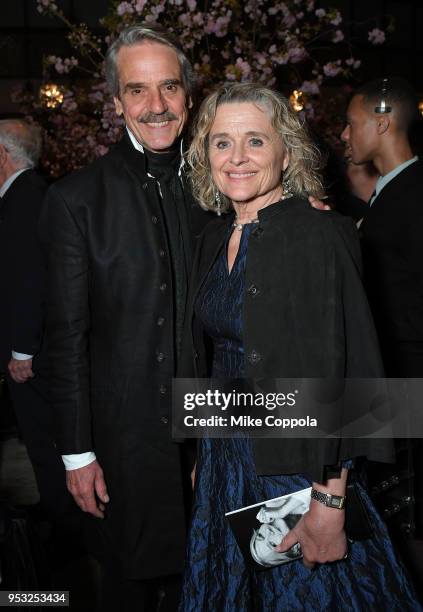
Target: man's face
151, 95
361, 132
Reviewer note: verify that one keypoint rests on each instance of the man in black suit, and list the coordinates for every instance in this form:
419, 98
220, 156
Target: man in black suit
119, 234
22, 308
379, 119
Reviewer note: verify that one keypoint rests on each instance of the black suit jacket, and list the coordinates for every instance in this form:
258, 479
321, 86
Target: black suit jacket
305, 314
22, 305
392, 245
111, 348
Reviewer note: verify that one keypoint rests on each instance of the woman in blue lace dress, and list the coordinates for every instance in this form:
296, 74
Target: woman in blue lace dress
276, 287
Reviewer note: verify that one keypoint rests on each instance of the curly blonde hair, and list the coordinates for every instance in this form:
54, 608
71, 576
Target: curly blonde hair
304, 157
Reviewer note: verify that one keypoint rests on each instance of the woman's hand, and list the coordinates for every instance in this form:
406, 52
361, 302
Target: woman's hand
320, 533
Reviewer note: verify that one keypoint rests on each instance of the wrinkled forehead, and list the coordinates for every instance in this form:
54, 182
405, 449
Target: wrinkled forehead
148, 61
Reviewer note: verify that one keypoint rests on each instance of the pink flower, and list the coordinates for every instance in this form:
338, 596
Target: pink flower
377, 36
101, 150
310, 87
337, 19
331, 69
192, 5
320, 13
289, 20
296, 54
46, 5
244, 67
198, 19
139, 6
124, 7
338, 36
185, 19
353, 63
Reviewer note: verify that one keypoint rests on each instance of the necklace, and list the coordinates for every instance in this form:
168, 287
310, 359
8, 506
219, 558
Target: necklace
240, 226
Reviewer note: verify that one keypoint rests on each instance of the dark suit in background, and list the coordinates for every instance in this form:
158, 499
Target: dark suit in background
392, 245
21, 329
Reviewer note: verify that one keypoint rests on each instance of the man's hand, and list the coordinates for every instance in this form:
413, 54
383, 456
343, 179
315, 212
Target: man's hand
20, 369
320, 533
319, 204
85, 484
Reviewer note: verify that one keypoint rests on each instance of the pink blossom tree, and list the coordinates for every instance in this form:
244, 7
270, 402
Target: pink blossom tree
284, 44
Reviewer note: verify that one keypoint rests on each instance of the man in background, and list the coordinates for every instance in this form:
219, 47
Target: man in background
379, 118
22, 308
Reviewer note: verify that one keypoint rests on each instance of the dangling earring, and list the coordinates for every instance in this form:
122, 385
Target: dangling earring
218, 204
286, 189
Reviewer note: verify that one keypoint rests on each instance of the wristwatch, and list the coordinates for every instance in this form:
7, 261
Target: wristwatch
331, 501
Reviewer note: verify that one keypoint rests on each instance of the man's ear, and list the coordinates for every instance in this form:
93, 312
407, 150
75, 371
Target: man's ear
3, 155
118, 105
383, 124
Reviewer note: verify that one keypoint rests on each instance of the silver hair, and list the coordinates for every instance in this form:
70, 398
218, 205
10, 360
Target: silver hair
22, 140
137, 34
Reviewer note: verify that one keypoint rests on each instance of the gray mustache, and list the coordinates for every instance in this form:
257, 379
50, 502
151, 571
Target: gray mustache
154, 118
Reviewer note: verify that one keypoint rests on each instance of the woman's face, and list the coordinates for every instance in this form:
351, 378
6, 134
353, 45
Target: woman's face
246, 154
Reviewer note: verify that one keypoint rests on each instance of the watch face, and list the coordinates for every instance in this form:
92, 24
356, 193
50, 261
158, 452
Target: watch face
336, 501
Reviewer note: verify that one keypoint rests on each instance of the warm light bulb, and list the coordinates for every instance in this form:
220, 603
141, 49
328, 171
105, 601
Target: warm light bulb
51, 95
297, 100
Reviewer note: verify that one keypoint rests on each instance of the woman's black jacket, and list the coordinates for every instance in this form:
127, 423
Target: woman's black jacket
305, 315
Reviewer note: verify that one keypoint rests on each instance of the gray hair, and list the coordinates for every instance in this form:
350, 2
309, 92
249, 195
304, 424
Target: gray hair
137, 34
22, 140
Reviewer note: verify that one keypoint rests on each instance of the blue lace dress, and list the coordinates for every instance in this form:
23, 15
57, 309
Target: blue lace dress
216, 578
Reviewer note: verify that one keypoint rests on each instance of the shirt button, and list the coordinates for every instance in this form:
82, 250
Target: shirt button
163, 287
144, 185
252, 290
164, 420
162, 253
161, 357
163, 389
254, 357
154, 219
160, 321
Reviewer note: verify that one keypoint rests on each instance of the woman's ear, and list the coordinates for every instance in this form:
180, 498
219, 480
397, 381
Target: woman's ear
285, 162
